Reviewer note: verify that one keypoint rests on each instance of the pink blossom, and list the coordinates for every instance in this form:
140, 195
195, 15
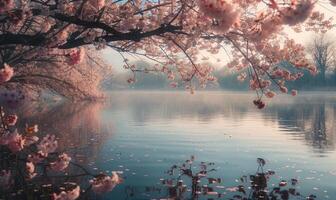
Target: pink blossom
302, 63
232, 189
283, 89
273, 4
29, 140
68, 195
76, 56
286, 74
298, 12
254, 84
270, 94
6, 73
265, 28
30, 167
45, 27
99, 4
225, 23
215, 8
171, 75
313, 70
222, 10
61, 163
31, 129
294, 92
105, 183
265, 83
48, 144
212, 193
15, 142
283, 183
241, 77
278, 73
62, 36
173, 84
66, 7
10, 120
130, 80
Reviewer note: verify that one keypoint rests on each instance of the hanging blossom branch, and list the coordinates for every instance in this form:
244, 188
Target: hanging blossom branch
174, 32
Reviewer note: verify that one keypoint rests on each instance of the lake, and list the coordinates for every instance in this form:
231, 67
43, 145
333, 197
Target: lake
142, 134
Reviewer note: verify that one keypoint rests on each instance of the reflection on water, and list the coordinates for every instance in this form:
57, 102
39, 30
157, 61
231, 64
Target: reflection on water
309, 117
141, 133
312, 119
77, 126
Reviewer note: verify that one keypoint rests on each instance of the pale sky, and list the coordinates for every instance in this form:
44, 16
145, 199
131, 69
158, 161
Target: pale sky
114, 58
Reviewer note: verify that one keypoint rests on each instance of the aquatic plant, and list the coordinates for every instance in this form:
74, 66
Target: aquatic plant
257, 186
188, 181
177, 188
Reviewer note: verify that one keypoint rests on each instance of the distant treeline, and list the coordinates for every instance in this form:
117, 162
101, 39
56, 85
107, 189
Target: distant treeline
307, 82
317, 82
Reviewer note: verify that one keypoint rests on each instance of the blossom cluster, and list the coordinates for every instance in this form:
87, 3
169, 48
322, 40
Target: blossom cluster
76, 56
103, 183
6, 73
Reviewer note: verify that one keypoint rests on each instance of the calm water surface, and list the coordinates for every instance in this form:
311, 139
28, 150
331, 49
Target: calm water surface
143, 134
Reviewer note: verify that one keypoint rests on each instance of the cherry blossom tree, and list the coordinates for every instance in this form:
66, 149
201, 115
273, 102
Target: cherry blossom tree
73, 81
176, 34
